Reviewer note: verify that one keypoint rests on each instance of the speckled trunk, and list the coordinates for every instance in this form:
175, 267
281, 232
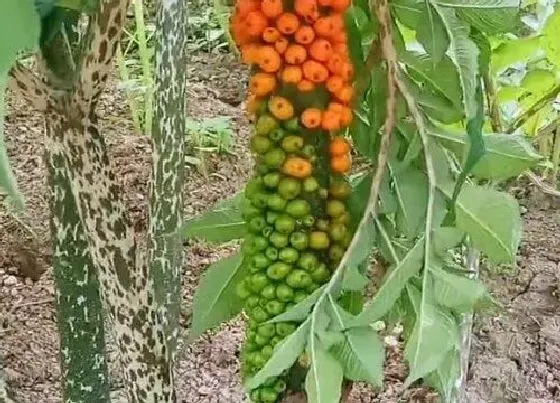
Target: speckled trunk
80, 316
168, 139
5, 394
79, 308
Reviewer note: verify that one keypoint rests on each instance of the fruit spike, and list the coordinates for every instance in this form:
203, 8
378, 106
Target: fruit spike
300, 91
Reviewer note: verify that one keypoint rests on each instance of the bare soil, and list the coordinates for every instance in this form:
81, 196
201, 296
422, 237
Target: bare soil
516, 353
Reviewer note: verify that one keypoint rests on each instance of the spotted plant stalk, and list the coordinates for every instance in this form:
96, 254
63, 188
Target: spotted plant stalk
79, 162
168, 140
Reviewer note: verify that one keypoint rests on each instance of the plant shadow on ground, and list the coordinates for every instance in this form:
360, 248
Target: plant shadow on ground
516, 355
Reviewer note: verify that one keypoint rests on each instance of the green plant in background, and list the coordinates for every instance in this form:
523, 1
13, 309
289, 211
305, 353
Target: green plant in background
205, 136
135, 66
524, 80
209, 22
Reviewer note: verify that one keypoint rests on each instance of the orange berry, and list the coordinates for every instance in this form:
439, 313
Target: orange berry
255, 23
287, 23
346, 71
311, 118
292, 74
304, 35
346, 116
320, 50
345, 94
335, 63
312, 17
337, 20
249, 53
324, 26
270, 34
339, 146
244, 7
262, 84
297, 167
305, 86
269, 59
272, 8
325, 3
330, 120
305, 7
280, 108
340, 5
342, 49
281, 45
295, 54
334, 84
340, 37
315, 71
341, 164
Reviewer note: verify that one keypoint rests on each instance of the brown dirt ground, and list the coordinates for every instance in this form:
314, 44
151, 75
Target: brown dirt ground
516, 354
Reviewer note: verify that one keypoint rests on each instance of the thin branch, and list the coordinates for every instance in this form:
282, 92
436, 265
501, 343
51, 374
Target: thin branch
542, 186
534, 109
493, 107
25, 84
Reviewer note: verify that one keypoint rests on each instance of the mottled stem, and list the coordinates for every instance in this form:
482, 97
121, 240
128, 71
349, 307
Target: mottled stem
25, 84
5, 394
79, 309
168, 140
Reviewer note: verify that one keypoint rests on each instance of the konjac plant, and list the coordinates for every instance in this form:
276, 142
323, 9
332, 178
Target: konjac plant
399, 87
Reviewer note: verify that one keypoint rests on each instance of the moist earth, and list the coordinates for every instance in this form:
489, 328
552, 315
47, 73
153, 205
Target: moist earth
516, 350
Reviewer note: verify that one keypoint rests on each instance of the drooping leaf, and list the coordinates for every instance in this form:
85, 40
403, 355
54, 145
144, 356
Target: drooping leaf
299, 311
459, 293
323, 383
441, 76
215, 300
506, 155
392, 285
435, 333
464, 53
489, 16
431, 33
353, 280
435, 105
492, 220
445, 238
408, 11
285, 354
411, 189
361, 355
222, 223
445, 377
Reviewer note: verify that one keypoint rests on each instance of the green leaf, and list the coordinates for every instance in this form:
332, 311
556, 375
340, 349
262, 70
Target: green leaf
392, 285
362, 356
285, 354
435, 105
431, 33
323, 383
459, 293
353, 280
445, 238
441, 76
492, 220
489, 16
215, 300
299, 311
550, 39
435, 333
507, 156
408, 11
411, 189
20, 30
464, 53
222, 223
514, 51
